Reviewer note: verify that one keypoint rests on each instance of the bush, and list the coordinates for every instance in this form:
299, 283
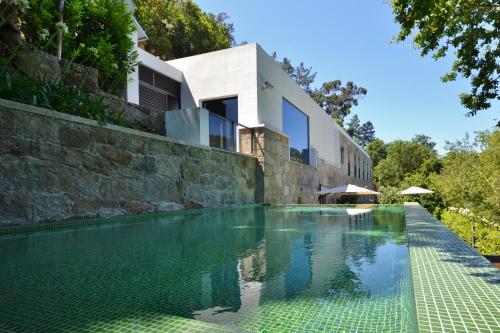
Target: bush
390, 195
20, 88
99, 29
470, 175
487, 237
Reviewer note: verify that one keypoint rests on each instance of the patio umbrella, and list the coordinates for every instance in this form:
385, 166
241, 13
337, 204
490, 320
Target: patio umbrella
416, 190
347, 189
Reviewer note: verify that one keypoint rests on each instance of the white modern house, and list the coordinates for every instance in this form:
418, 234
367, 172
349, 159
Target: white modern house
211, 97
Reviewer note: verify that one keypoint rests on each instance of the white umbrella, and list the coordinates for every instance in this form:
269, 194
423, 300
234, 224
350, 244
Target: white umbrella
348, 189
416, 190
357, 211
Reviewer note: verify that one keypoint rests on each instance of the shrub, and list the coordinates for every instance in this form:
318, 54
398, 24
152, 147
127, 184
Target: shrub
487, 237
390, 195
20, 88
102, 27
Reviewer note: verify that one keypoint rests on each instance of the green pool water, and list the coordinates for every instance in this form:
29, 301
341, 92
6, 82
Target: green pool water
249, 269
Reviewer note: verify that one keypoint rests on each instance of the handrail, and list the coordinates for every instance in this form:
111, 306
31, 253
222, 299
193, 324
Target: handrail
239, 124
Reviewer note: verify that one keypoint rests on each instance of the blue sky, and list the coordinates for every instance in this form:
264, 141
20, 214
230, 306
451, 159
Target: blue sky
352, 40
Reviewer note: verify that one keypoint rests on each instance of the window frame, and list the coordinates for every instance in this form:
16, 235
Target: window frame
165, 93
308, 129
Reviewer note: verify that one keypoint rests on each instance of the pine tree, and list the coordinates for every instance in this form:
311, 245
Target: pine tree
366, 134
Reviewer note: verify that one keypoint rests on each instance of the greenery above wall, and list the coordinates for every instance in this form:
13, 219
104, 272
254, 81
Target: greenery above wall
96, 33
179, 28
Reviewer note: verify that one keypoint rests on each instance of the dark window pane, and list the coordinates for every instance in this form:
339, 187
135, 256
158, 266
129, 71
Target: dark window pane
167, 84
216, 126
146, 74
173, 103
296, 126
226, 107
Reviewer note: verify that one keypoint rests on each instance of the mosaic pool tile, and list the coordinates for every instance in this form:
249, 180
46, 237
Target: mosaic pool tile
456, 289
256, 269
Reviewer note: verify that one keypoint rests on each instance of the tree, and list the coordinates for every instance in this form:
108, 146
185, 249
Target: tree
470, 29
179, 28
337, 100
366, 134
469, 177
303, 75
377, 151
424, 140
354, 127
405, 158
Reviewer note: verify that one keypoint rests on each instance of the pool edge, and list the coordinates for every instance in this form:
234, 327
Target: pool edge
455, 288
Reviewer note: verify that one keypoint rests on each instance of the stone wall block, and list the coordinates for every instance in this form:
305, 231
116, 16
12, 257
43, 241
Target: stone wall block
126, 189
137, 207
73, 137
190, 171
39, 65
98, 164
116, 155
145, 164
169, 166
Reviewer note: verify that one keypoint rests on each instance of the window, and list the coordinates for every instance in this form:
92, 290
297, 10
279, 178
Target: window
349, 164
158, 91
223, 119
359, 167
296, 126
355, 168
342, 155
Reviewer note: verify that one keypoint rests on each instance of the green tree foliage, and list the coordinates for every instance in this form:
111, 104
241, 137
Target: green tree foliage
405, 158
303, 75
470, 29
366, 133
470, 175
486, 238
179, 28
354, 127
362, 134
466, 177
336, 100
389, 195
377, 151
97, 34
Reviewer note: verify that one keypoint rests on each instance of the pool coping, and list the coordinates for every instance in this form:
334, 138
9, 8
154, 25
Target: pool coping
92, 221
456, 289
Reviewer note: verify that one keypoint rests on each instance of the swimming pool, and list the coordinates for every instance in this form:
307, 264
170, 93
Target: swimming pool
245, 269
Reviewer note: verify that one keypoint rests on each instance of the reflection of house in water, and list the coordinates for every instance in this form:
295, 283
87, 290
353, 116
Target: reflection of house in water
241, 293
298, 277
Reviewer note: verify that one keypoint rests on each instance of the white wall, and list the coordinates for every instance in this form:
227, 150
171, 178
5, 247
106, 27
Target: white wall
225, 73
323, 131
241, 71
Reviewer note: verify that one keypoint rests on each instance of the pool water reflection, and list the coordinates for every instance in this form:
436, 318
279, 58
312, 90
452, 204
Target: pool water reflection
249, 269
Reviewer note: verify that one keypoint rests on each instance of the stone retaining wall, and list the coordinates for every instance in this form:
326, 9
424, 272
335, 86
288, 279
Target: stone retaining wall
56, 166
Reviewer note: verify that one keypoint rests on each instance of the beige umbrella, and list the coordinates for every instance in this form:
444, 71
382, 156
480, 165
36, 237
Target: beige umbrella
416, 190
347, 189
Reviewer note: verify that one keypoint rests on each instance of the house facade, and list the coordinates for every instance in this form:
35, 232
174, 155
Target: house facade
240, 100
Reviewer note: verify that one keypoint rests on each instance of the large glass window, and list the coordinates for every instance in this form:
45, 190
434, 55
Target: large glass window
296, 126
223, 121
